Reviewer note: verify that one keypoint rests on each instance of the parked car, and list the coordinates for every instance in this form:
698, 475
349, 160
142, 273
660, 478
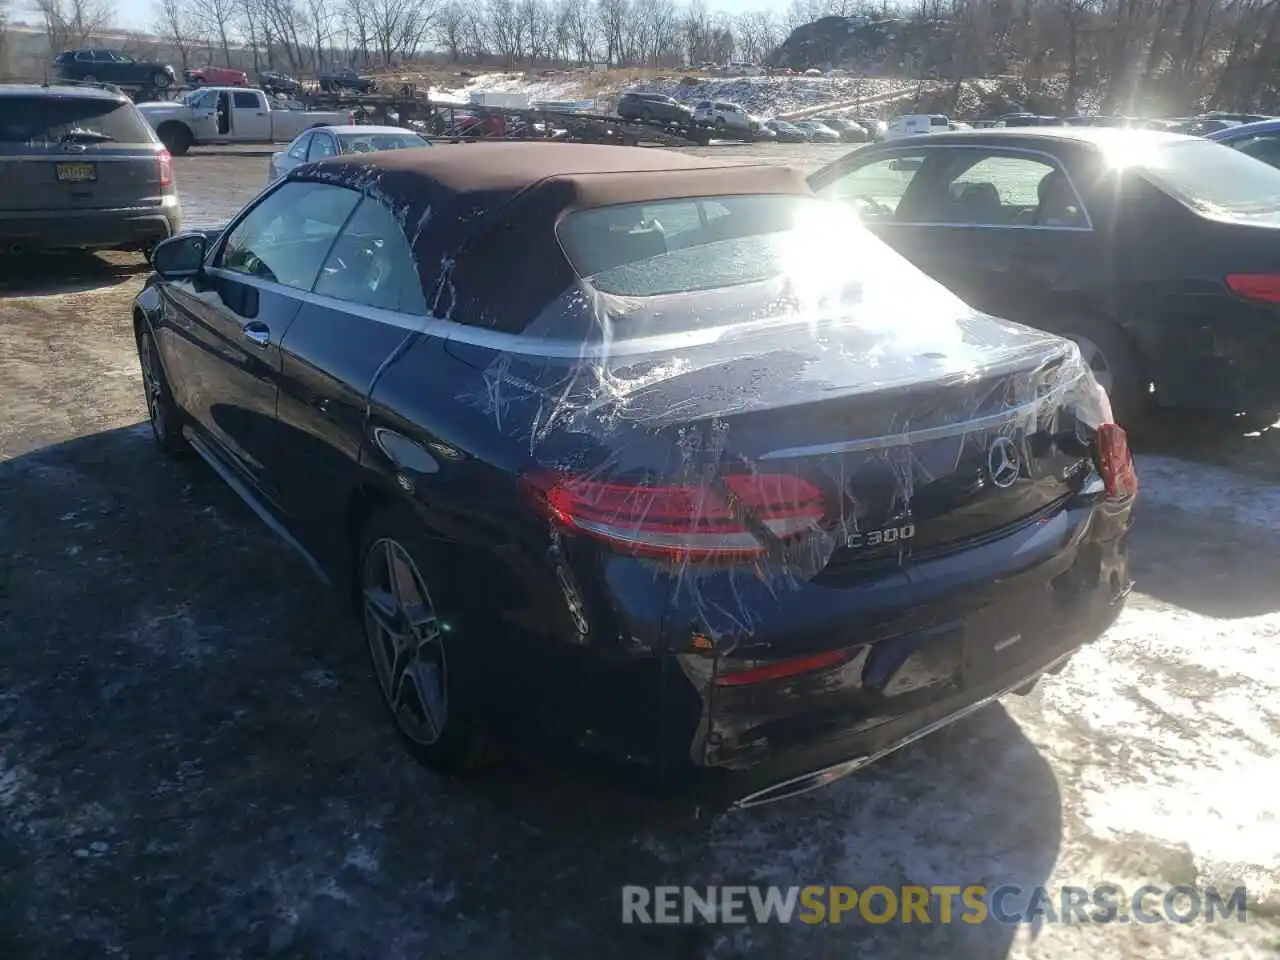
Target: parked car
916, 124
1155, 252
274, 82
216, 76
818, 132
325, 142
555, 489
81, 169
1026, 120
1201, 126
232, 115
786, 132
1260, 140
850, 131
112, 66
876, 128
334, 81
725, 117
636, 105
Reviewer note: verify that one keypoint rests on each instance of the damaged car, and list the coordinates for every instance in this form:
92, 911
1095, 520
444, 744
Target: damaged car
697, 492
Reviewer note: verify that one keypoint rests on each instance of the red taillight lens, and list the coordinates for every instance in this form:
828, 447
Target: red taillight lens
782, 669
164, 168
1115, 462
1255, 286
684, 522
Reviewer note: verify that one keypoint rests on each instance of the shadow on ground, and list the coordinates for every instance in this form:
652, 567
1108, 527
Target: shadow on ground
70, 271
194, 761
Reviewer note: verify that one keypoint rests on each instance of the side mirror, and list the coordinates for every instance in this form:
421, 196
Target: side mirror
905, 165
180, 257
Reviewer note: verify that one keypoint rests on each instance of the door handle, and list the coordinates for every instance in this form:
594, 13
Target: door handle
257, 334
261, 114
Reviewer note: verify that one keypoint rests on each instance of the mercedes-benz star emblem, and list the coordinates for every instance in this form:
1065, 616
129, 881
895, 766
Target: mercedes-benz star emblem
1003, 465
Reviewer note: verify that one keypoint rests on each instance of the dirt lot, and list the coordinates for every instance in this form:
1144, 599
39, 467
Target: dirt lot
194, 762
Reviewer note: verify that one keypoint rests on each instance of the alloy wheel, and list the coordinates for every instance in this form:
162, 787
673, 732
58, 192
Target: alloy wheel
1096, 361
153, 388
405, 641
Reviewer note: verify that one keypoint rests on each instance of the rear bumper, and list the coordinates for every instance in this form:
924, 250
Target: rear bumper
982, 623
125, 228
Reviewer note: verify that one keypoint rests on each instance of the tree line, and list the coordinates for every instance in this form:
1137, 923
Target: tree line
1111, 55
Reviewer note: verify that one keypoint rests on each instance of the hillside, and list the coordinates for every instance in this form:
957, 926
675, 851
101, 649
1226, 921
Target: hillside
884, 47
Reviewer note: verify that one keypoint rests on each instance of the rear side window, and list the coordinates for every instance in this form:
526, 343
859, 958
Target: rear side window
49, 120
1214, 179
246, 101
371, 263
939, 122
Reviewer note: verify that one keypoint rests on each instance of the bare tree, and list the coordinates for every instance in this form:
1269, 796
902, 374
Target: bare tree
215, 19
450, 30
71, 23
176, 26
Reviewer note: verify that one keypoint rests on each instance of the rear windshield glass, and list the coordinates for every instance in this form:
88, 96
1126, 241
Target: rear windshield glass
1214, 179
681, 265
42, 121
372, 142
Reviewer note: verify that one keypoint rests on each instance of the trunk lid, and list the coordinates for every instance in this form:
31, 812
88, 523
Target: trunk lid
921, 442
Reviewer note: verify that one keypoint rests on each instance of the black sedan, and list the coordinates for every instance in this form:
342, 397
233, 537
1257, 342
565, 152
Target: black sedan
713, 486
1155, 252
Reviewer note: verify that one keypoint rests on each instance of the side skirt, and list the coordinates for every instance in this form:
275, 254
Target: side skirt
252, 502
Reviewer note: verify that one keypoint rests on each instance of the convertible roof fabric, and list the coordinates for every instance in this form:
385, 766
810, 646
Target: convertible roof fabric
481, 217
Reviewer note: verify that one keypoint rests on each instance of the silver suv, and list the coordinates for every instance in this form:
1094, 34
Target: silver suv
81, 168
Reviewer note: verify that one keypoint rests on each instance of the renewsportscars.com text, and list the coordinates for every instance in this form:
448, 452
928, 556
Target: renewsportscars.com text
972, 904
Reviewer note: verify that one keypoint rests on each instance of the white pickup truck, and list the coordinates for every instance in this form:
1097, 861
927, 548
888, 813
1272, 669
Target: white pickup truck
231, 115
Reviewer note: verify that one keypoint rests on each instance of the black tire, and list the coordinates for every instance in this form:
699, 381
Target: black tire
165, 415
89, 78
176, 138
445, 735
161, 80
1130, 398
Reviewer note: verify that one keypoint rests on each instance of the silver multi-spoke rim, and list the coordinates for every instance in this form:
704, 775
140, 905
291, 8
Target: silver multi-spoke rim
1096, 361
404, 639
151, 386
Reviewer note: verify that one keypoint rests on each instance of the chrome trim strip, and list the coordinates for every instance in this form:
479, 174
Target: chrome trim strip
243, 492
828, 775
911, 437
514, 343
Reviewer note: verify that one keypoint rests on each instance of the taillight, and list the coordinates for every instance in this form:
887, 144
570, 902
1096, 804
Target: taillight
164, 167
685, 522
750, 672
1255, 286
1115, 462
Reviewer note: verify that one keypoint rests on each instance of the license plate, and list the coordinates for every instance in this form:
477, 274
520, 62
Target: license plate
77, 173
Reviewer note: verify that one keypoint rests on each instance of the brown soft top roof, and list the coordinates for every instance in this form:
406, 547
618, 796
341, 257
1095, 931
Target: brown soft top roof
502, 201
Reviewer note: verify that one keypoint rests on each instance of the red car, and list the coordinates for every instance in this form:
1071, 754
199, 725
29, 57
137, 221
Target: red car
216, 76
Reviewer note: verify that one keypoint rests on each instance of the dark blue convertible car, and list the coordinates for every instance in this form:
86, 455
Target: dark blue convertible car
662, 460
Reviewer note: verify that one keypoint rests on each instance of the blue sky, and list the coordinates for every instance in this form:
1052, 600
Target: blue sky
140, 14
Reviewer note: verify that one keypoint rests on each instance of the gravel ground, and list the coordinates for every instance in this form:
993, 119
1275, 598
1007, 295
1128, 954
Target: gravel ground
194, 762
